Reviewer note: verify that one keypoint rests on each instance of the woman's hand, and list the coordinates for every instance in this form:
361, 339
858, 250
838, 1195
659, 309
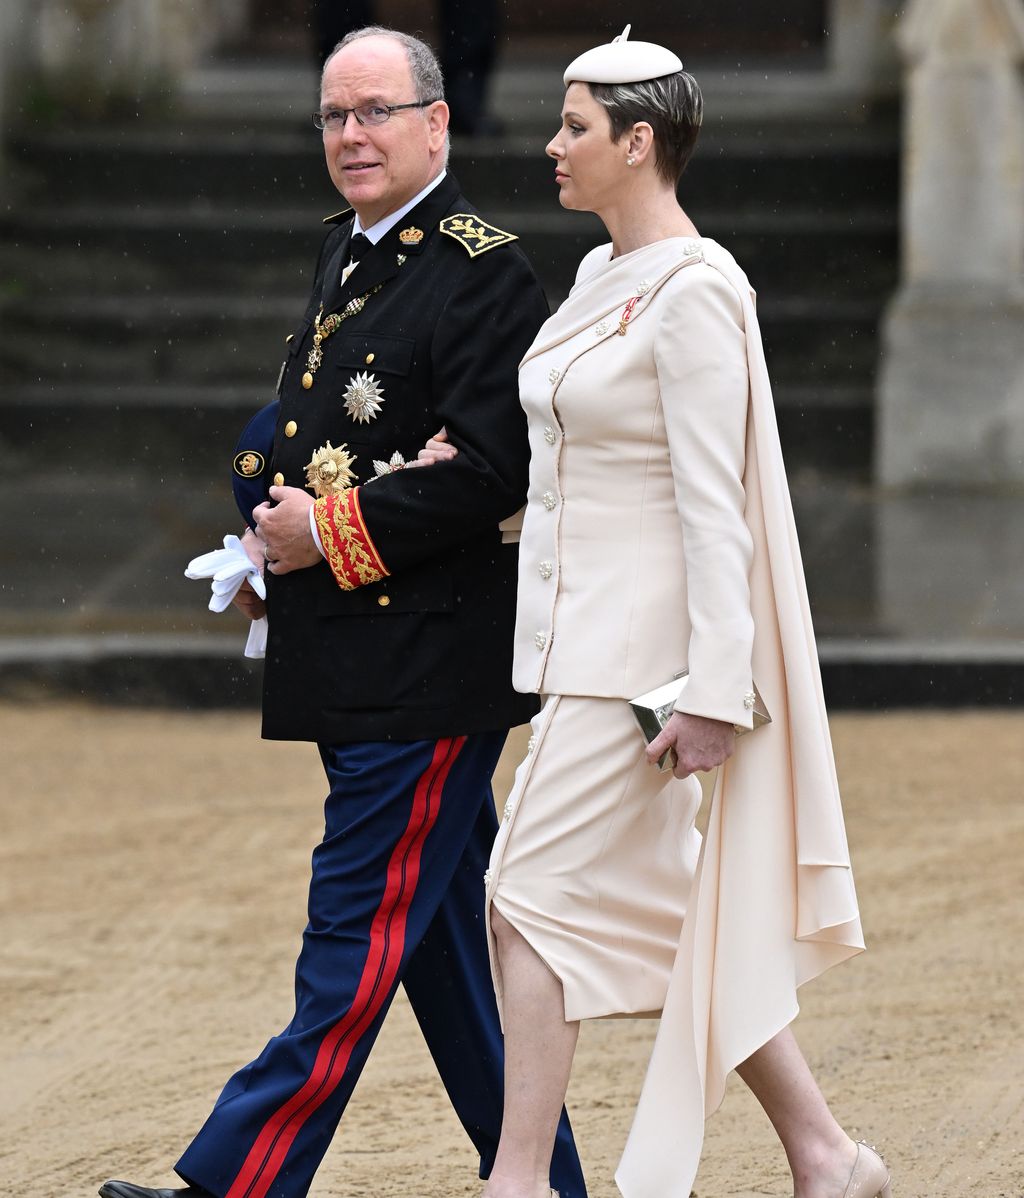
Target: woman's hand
697, 743
437, 449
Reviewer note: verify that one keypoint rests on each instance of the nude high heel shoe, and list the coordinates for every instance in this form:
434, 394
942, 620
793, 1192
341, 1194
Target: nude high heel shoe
870, 1177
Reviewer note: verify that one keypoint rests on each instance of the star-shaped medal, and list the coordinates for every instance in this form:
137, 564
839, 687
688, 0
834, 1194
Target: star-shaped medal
330, 472
363, 397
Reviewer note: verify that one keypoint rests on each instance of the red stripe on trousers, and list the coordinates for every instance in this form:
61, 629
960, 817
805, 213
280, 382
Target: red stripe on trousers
387, 942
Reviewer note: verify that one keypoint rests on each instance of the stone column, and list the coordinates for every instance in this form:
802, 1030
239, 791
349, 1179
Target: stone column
952, 370
98, 55
862, 53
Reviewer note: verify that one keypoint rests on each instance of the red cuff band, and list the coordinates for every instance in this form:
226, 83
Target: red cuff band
350, 550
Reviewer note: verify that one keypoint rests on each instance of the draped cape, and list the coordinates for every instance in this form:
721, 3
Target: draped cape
773, 903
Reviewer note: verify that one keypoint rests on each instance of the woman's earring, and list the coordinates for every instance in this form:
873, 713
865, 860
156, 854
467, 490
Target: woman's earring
631, 161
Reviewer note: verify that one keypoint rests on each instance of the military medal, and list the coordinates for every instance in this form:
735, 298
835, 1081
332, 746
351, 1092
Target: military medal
395, 462
363, 397
329, 471
642, 289
323, 329
627, 312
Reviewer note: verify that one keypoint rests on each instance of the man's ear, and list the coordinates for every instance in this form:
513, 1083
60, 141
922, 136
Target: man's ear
437, 123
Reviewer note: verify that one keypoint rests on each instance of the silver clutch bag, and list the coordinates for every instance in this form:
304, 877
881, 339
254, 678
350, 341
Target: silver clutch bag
653, 710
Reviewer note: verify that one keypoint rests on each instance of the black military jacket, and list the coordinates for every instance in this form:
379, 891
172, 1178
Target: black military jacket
427, 650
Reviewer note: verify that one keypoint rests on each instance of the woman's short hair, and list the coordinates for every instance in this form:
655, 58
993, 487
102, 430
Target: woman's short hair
671, 104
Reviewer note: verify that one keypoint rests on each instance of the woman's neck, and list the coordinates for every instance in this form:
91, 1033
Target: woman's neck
642, 217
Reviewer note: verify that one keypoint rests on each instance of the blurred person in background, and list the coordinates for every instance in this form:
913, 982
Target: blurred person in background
469, 42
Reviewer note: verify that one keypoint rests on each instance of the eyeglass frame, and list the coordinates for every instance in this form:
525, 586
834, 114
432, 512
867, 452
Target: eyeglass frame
320, 121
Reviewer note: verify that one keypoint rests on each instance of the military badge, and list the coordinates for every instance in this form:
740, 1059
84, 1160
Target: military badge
248, 463
329, 471
395, 462
475, 236
363, 397
411, 236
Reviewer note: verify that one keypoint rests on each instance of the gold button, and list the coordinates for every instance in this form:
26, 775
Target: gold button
369, 358
291, 428
383, 600
279, 479
289, 339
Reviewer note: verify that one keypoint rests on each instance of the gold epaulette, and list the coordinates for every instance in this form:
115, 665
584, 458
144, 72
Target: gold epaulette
475, 236
336, 216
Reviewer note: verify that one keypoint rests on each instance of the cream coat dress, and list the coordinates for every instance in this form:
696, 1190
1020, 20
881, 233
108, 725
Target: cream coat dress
658, 536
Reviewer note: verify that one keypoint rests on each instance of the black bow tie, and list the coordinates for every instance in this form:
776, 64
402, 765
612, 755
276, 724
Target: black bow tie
358, 247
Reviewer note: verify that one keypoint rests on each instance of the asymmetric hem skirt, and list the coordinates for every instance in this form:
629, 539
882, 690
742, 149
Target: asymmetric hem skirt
595, 858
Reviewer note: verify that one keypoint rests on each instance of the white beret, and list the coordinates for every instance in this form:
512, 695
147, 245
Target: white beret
622, 61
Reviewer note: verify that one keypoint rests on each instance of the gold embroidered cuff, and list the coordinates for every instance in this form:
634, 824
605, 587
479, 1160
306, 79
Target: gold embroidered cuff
347, 543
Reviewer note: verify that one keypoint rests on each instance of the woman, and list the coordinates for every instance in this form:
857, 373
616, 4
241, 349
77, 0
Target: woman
658, 538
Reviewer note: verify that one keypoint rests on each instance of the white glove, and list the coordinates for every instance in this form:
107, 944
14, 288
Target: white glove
229, 568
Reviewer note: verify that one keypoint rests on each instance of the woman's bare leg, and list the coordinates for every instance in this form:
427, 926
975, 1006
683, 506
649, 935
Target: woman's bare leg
539, 1047
821, 1154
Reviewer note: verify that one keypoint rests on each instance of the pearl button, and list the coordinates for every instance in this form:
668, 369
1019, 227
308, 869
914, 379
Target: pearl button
549, 434
545, 569
549, 500
540, 639
643, 287
691, 247
291, 428
553, 376
602, 328
487, 877
531, 744
749, 700
279, 479
507, 813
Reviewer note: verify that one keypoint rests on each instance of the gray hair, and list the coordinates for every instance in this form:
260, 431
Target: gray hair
423, 65
671, 104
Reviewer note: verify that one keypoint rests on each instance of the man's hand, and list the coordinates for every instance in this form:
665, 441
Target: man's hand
697, 743
284, 531
437, 449
246, 599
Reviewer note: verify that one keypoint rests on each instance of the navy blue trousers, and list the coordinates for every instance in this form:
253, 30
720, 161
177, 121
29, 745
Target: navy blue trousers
396, 896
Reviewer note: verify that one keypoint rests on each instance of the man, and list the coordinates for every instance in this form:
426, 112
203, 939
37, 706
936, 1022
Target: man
390, 603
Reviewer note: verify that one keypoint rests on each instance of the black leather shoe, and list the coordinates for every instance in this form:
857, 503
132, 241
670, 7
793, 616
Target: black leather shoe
125, 1189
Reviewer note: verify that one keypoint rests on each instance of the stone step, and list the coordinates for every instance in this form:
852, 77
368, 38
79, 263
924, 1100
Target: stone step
176, 430
207, 672
739, 169
236, 340
244, 251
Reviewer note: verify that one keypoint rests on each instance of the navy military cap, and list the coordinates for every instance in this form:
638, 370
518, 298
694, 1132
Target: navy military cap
249, 478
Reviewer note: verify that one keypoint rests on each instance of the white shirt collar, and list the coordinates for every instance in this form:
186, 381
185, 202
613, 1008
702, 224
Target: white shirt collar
375, 232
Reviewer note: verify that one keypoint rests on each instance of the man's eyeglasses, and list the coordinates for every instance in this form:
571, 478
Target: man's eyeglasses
366, 114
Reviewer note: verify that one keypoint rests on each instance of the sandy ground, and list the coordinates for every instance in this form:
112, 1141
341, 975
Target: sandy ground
154, 868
